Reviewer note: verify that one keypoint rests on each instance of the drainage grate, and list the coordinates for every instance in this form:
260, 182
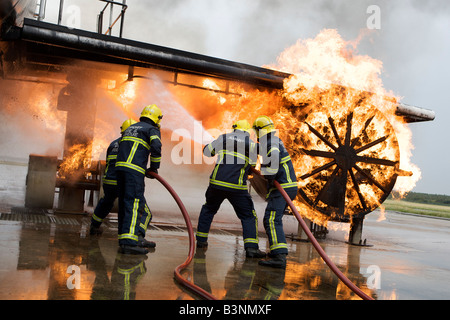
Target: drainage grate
38, 218
221, 232
65, 220
162, 227
24, 210
159, 227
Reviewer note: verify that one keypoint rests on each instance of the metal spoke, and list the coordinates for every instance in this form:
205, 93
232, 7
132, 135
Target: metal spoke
319, 153
333, 127
371, 178
383, 162
317, 170
321, 137
348, 133
342, 200
354, 164
355, 184
327, 184
368, 121
371, 144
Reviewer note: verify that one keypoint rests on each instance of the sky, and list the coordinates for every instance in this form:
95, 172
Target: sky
411, 38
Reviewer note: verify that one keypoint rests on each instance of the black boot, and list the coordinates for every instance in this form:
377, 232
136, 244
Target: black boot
276, 261
145, 243
127, 249
254, 253
93, 230
202, 244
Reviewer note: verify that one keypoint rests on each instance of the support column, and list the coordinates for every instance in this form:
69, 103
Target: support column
78, 98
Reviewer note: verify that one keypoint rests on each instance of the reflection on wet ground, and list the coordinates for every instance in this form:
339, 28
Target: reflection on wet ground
53, 257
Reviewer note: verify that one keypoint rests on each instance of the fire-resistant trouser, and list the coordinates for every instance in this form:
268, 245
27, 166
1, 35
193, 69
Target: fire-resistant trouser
125, 277
105, 204
273, 223
243, 206
134, 214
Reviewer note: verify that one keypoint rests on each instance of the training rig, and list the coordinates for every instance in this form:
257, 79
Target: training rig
35, 51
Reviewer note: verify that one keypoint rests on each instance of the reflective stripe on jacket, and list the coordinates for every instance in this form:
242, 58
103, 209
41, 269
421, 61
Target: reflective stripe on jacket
276, 162
236, 152
110, 176
139, 142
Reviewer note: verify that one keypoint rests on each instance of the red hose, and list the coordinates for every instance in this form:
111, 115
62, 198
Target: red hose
181, 267
317, 246
207, 295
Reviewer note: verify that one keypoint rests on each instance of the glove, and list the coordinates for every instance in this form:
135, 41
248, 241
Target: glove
269, 177
270, 180
148, 175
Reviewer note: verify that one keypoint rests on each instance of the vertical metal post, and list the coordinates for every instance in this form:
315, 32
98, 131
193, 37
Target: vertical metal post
61, 9
355, 233
130, 73
110, 17
122, 18
41, 14
100, 23
301, 235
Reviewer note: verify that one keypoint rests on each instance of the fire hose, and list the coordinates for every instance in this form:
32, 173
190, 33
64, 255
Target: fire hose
316, 244
199, 291
177, 272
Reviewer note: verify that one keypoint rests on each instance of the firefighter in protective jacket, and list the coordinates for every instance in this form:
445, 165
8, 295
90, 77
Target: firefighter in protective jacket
109, 184
236, 152
139, 142
276, 165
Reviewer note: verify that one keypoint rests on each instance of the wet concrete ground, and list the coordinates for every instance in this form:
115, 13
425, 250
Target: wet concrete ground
43, 256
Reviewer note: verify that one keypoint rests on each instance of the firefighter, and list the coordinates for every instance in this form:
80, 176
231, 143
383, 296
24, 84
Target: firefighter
109, 182
139, 142
236, 153
276, 165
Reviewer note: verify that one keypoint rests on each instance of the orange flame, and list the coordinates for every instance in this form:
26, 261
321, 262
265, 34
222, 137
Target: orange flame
330, 80
79, 158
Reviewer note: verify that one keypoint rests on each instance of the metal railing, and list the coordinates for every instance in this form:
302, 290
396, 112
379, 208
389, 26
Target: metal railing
121, 16
109, 4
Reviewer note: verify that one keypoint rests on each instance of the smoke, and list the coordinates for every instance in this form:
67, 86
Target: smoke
29, 121
175, 117
412, 42
12, 12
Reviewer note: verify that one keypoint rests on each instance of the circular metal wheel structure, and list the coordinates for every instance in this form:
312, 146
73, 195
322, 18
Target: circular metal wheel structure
347, 163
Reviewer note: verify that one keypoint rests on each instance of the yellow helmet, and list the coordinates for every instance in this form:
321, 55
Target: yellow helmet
242, 125
153, 113
263, 125
126, 124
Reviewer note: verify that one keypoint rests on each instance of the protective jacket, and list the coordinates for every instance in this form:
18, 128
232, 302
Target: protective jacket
138, 142
276, 165
276, 162
236, 152
110, 176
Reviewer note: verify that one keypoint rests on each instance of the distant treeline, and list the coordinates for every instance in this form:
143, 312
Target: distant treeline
437, 199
